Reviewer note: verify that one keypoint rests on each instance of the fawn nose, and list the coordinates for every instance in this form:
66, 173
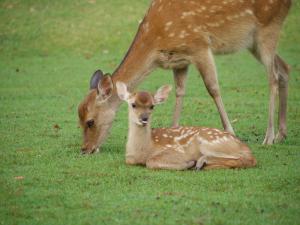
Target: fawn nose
144, 118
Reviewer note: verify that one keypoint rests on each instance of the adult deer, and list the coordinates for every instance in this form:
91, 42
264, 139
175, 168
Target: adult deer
177, 148
175, 34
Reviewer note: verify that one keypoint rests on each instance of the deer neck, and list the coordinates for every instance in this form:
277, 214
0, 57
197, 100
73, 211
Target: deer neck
138, 62
139, 143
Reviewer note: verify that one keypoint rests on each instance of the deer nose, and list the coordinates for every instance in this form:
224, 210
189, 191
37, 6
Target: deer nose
83, 151
144, 118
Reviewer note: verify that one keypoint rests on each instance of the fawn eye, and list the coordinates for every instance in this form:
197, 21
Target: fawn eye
133, 105
152, 107
90, 123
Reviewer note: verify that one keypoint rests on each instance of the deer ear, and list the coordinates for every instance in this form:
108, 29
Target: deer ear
122, 91
162, 94
97, 76
105, 88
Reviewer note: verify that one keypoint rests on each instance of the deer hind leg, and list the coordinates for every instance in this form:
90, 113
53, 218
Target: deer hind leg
206, 66
180, 76
173, 161
225, 163
283, 71
264, 51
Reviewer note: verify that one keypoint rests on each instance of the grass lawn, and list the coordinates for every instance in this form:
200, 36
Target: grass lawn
49, 49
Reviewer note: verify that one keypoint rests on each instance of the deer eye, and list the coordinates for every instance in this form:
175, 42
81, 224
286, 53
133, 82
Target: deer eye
133, 105
152, 107
90, 123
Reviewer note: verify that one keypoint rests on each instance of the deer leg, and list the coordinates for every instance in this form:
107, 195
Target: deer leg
207, 69
273, 85
265, 54
264, 50
180, 76
173, 161
201, 163
212, 162
283, 71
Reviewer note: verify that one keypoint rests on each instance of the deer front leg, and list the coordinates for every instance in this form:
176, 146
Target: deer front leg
201, 163
180, 76
206, 66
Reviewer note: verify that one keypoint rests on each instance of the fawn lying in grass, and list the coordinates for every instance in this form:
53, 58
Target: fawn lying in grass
177, 148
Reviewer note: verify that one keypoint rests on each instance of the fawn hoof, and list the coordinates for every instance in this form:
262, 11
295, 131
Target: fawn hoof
200, 166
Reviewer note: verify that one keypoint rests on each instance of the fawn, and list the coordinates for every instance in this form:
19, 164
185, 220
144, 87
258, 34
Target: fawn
177, 148
177, 33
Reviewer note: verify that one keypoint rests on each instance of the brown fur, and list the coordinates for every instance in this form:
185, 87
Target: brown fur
143, 98
175, 34
182, 147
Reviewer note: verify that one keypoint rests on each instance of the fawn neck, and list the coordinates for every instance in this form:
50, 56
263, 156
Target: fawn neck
139, 143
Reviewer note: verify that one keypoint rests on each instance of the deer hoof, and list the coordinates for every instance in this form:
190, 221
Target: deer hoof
280, 137
269, 140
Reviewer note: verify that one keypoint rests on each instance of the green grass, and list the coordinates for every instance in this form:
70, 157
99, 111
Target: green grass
49, 49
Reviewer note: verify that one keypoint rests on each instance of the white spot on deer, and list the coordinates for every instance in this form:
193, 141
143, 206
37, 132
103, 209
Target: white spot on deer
248, 11
225, 138
169, 146
217, 141
196, 30
185, 14
146, 27
167, 25
165, 135
171, 35
183, 34
213, 24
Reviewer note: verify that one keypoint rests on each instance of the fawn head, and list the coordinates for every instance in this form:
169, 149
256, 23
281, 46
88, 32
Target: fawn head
95, 113
141, 103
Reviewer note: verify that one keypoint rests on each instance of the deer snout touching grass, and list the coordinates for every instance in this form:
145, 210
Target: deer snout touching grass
177, 148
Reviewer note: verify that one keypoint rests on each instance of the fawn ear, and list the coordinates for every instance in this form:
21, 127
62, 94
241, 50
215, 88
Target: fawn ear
105, 88
97, 76
162, 94
122, 91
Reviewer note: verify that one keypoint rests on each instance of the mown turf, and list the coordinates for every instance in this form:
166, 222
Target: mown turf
49, 49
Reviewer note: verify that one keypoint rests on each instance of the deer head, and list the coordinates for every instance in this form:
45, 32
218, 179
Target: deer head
96, 113
141, 104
